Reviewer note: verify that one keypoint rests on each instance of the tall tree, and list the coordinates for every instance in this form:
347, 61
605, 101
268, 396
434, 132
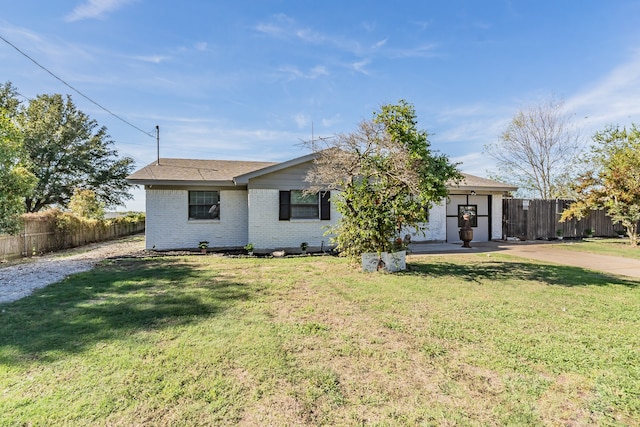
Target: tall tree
68, 150
388, 178
16, 181
9, 101
538, 151
613, 180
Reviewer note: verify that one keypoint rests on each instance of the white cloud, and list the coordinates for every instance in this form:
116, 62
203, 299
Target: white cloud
283, 27
423, 25
319, 70
155, 59
201, 46
204, 138
279, 28
360, 66
270, 29
295, 73
310, 36
302, 120
55, 49
611, 100
379, 44
478, 123
423, 51
331, 121
476, 163
96, 9
369, 26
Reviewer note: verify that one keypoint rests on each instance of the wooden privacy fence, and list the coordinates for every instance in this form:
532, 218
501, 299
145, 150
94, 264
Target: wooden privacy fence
540, 219
43, 234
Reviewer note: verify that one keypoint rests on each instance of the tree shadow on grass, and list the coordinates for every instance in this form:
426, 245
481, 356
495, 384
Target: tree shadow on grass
557, 275
108, 302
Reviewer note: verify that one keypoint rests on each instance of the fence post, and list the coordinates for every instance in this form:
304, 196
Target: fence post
24, 239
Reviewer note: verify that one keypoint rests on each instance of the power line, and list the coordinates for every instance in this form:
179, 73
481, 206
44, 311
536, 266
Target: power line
74, 89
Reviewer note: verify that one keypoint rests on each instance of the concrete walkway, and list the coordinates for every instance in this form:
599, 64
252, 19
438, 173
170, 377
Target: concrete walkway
541, 251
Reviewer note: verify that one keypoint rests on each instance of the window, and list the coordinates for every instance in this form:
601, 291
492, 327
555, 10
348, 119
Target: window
297, 204
204, 205
304, 205
470, 210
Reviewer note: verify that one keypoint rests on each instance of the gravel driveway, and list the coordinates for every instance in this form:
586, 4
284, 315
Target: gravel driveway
19, 280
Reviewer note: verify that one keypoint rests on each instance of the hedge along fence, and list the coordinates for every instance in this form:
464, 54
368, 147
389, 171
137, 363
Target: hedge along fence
54, 230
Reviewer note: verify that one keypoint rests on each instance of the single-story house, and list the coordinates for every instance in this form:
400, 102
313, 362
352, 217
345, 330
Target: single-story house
231, 203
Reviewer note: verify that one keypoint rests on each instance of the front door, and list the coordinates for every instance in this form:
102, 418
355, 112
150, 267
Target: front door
479, 209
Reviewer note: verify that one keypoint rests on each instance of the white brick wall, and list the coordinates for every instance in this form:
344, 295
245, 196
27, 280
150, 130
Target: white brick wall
168, 226
266, 231
436, 228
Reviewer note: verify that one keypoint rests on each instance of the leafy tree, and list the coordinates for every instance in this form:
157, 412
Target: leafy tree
68, 151
84, 203
613, 180
538, 151
9, 101
16, 181
387, 176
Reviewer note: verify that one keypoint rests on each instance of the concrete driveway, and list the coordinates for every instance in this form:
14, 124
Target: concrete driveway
541, 251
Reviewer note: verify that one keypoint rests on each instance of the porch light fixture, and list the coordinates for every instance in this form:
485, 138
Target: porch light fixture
473, 193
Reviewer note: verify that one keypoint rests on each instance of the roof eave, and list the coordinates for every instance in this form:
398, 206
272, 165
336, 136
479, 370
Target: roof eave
481, 188
184, 183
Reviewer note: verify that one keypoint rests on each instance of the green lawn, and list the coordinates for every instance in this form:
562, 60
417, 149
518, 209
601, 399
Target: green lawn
614, 247
206, 340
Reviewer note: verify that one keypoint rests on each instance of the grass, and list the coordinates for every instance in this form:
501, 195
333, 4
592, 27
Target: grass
474, 340
613, 247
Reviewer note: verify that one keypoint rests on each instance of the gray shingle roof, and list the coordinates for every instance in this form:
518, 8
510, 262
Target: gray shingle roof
194, 171
223, 172
476, 182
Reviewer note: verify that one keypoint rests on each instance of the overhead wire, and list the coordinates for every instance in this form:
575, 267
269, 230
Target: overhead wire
74, 89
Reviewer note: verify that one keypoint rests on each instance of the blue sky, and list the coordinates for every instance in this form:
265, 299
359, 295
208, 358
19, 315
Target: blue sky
247, 79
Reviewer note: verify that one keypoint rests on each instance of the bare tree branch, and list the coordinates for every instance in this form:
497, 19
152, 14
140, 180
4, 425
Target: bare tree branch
538, 150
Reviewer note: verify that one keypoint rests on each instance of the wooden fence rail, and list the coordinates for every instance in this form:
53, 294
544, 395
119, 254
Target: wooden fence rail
40, 236
540, 219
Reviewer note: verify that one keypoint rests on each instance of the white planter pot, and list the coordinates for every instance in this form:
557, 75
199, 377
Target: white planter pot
395, 261
370, 262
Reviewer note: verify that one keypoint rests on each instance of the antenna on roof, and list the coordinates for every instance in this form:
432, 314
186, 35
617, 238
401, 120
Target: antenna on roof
158, 144
312, 142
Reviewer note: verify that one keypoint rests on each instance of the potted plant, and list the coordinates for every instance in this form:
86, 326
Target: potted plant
589, 232
203, 245
559, 234
249, 248
303, 247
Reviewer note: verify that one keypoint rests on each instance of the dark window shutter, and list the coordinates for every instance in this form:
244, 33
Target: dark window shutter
325, 207
285, 202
